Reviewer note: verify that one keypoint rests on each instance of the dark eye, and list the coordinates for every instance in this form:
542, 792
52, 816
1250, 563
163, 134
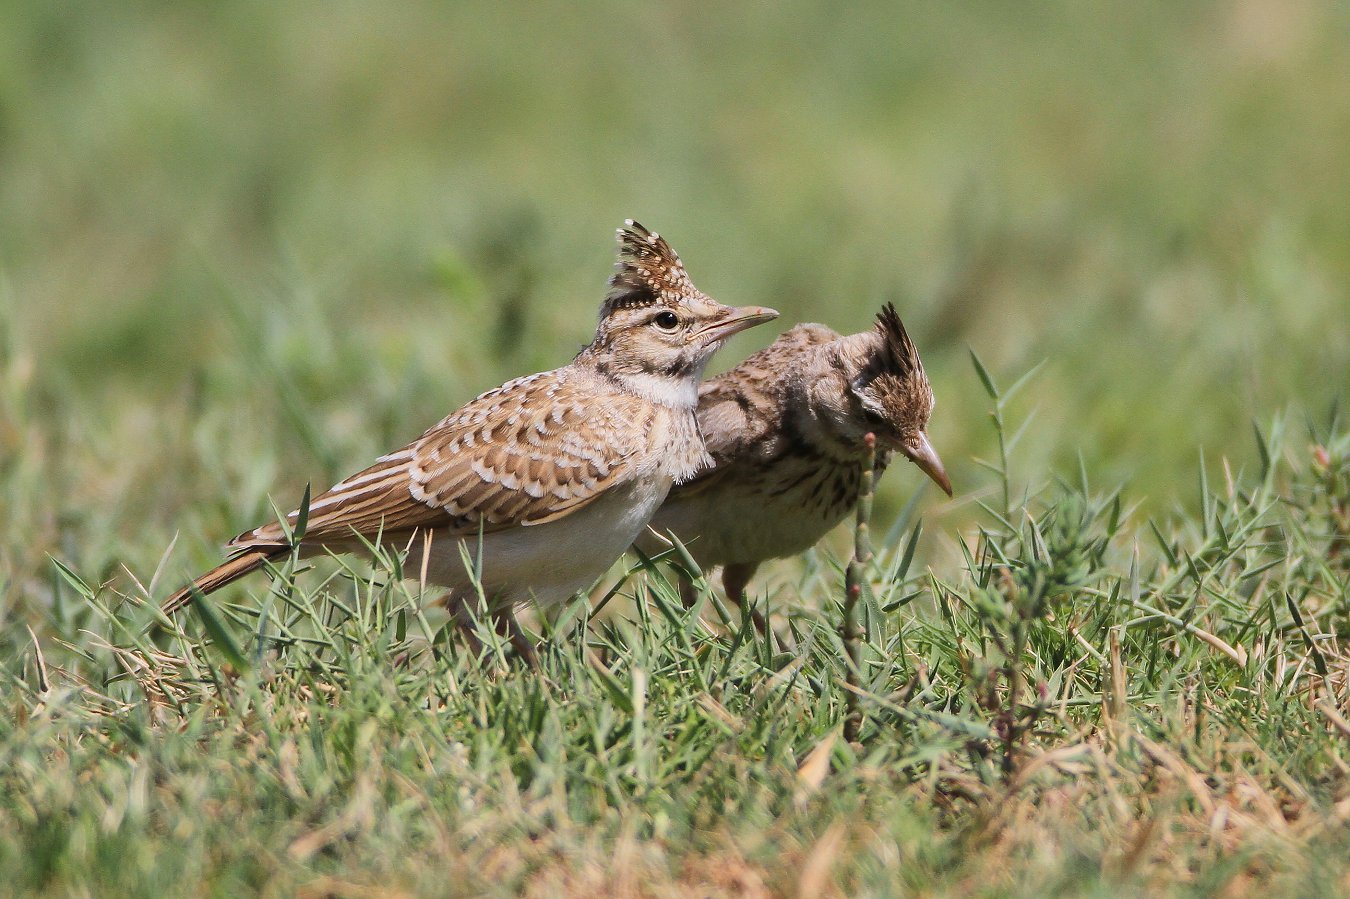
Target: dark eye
666, 321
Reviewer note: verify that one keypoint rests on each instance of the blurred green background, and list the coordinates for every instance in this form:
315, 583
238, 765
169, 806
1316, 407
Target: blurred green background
245, 245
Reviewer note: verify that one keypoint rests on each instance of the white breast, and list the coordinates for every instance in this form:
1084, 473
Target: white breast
548, 563
750, 520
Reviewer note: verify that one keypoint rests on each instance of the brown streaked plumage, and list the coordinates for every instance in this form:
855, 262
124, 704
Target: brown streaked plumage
555, 473
785, 430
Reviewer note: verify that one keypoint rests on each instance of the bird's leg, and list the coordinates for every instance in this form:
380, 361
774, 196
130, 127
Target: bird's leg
466, 621
735, 578
505, 623
688, 592
447, 602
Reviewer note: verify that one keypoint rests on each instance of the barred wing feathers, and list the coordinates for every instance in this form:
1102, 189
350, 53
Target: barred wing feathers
523, 454
739, 411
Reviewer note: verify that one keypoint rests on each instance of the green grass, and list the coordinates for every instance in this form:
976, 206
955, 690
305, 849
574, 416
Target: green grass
250, 246
1092, 702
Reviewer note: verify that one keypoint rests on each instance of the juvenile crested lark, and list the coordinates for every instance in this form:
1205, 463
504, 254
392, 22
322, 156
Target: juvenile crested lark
786, 429
544, 481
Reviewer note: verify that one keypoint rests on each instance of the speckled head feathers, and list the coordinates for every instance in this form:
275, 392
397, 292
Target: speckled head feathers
654, 323
901, 354
892, 383
649, 273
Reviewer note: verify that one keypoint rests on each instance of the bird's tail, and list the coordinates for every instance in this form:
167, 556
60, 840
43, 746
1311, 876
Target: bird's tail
229, 571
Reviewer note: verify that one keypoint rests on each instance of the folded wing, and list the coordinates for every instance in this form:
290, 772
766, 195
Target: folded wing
519, 455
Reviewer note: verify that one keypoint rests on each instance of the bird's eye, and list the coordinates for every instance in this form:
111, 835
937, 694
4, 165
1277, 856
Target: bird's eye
666, 321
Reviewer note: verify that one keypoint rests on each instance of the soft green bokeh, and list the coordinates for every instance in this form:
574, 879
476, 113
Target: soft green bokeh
1153, 197
334, 223
248, 245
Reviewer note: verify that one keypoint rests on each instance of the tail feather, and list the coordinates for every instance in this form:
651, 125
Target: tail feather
229, 571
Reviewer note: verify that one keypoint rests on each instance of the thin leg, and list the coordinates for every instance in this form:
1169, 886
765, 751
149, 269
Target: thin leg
465, 621
688, 595
735, 578
504, 622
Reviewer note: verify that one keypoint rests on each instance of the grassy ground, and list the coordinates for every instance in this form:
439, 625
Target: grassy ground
248, 246
1092, 702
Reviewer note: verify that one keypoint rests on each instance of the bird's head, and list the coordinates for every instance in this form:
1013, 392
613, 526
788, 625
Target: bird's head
893, 394
657, 330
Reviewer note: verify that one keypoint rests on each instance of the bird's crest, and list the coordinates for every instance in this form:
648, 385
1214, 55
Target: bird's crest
891, 381
899, 351
649, 272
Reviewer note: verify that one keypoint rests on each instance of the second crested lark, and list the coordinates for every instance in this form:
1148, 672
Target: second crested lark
786, 430
544, 481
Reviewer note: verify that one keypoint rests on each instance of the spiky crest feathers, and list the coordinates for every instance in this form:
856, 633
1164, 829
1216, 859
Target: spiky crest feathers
889, 380
649, 273
900, 350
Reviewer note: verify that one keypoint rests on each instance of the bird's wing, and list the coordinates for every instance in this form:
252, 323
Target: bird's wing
735, 413
739, 411
531, 451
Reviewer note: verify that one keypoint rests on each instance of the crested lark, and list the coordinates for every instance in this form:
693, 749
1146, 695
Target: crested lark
786, 429
546, 480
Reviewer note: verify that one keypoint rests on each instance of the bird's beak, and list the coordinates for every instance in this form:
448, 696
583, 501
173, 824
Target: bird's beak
742, 317
921, 453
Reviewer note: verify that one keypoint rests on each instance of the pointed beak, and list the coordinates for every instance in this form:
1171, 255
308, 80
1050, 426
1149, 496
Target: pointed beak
741, 317
922, 454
